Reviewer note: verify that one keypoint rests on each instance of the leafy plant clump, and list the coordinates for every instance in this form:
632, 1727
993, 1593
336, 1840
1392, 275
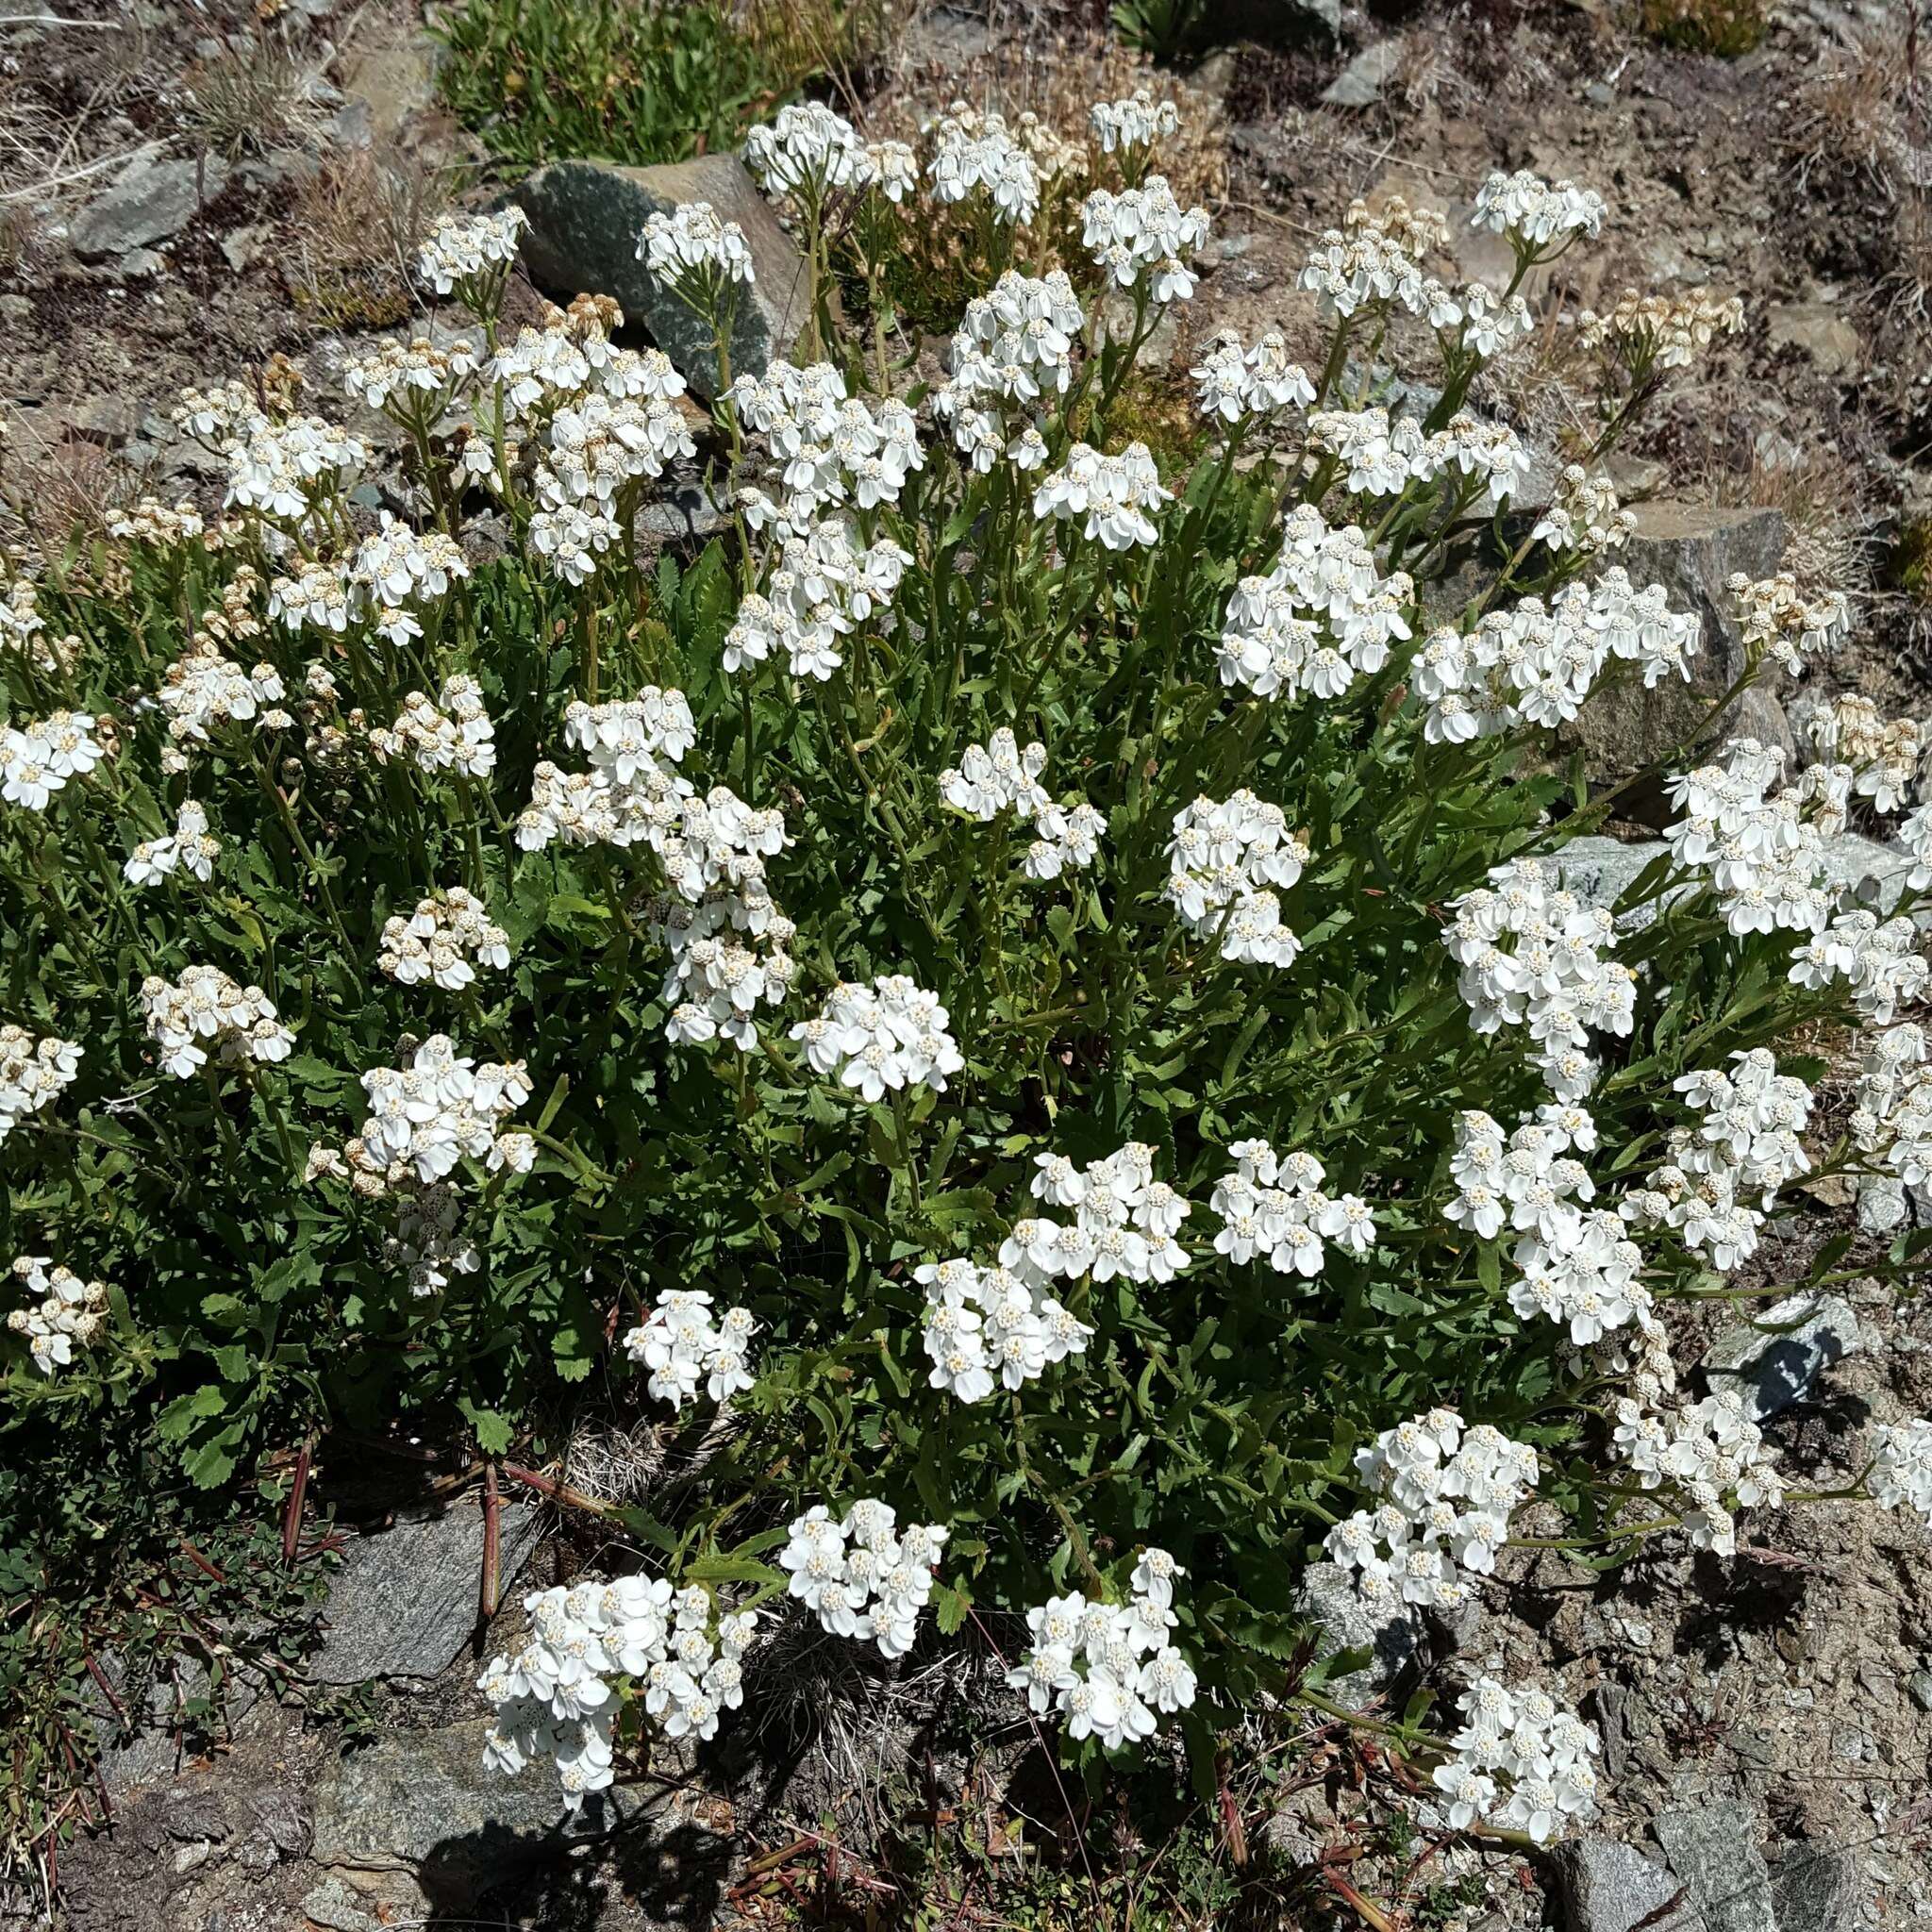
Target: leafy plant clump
1027, 1000
638, 81
1725, 27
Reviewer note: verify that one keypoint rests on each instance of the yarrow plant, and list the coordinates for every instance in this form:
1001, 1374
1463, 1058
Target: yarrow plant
1069, 945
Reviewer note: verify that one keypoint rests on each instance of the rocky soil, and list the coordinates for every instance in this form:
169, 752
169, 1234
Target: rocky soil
1767, 1722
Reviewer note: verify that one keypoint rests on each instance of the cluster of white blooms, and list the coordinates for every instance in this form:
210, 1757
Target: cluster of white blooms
33, 1073
806, 151
1224, 857
1584, 515
1526, 1184
1375, 258
683, 1345
1554, 981
996, 776
1902, 1466
191, 847
1710, 1450
881, 1038
1274, 1205
1232, 382
37, 760
986, 1327
1447, 1493
284, 470
864, 1577
393, 568
463, 253
1533, 212
455, 733
432, 1239
1653, 332
1124, 1222
1893, 1124
977, 152
448, 936
554, 1696
1014, 346
205, 1004
1880, 754
1777, 620
1136, 121
201, 688
821, 590
1880, 960
1109, 1671
826, 447
1522, 1764
414, 381
1537, 661
696, 254
1272, 641
1144, 232
1381, 456
631, 791
1114, 493
426, 1117
65, 1309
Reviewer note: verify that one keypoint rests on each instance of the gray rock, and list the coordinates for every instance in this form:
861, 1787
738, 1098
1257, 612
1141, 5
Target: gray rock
386, 87
1599, 870
1713, 1849
1608, 1886
147, 1747
1360, 83
424, 1803
1820, 332
149, 203
1691, 550
689, 515
404, 1602
1920, 1685
1329, 1600
1816, 1890
1772, 1371
585, 221
334, 1907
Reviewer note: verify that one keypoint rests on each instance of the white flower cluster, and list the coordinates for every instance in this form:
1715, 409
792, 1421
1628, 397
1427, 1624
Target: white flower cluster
997, 776
1881, 755
1233, 383
1124, 1222
455, 733
1880, 959
286, 470
1533, 212
1893, 1124
864, 1577
1224, 857
190, 847
1109, 1671
555, 1698
821, 590
1714, 1451
1537, 661
1136, 121
827, 448
1375, 259
1584, 515
33, 1073
683, 1345
413, 381
431, 1241
38, 760
1448, 1492
424, 1118
881, 1038
65, 1310
1522, 1764
1144, 232
631, 791
201, 688
1272, 641
1527, 1184
1900, 1466
448, 936
1652, 332
1778, 621
986, 1322
463, 252
205, 1004
1114, 493
1274, 1205
977, 151
1554, 981
696, 254
1382, 458
1014, 346
806, 151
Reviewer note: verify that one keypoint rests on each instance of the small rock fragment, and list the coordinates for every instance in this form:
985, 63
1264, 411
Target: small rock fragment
1771, 1370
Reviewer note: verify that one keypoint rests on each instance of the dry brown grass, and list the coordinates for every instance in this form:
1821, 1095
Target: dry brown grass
357, 224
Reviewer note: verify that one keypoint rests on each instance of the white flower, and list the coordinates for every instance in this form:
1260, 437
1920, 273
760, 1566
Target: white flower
205, 1006
1113, 493
38, 759
882, 1038
1225, 860
684, 1346
63, 1311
